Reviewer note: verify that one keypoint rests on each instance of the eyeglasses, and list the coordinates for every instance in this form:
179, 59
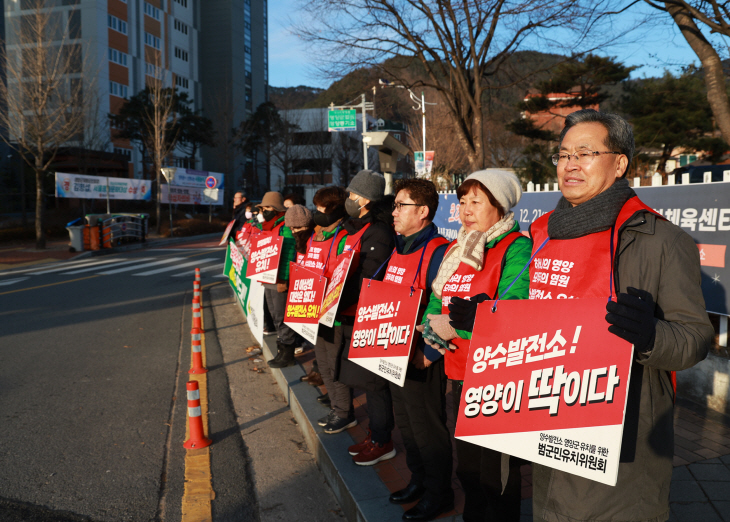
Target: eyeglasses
582, 157
399, 206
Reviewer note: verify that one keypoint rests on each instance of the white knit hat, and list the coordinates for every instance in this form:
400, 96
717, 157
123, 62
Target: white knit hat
502, 183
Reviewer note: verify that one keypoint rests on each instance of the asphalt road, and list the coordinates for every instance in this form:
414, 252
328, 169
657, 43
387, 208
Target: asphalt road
91, 407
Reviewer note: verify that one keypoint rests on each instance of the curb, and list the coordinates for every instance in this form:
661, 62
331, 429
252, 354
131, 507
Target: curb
362, 495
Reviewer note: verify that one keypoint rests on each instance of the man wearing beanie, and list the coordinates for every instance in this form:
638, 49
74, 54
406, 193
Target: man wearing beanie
370, 234
272, 220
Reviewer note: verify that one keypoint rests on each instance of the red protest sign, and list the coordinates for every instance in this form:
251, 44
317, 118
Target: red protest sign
303, 303
384, 329
334, 289
263, 260
546, 381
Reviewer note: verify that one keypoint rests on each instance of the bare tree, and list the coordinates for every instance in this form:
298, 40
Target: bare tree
319, 146
282, 153
462, 46
160, 121
715, 16
43, 91
348, 156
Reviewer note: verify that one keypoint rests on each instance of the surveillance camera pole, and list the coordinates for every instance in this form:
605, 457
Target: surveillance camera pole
365, 106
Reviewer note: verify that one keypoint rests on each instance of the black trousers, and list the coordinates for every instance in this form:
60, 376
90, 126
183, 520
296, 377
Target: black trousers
380, 412
480, 472
276, 302
327, 351
420, 414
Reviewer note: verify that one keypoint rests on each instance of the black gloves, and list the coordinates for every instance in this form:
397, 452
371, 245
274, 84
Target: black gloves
632, 318
462, 312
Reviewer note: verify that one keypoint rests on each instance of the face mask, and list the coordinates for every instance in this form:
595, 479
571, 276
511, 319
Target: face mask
268, 214
353, 209
326, 220
249, 214
260, 217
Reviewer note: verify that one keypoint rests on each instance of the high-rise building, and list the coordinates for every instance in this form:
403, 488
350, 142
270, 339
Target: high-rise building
233, 75
215, 51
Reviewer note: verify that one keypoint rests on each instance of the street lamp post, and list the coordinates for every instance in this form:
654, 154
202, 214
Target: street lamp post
420, 104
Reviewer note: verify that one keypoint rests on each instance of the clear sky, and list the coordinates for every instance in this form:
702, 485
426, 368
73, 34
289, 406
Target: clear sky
655, 47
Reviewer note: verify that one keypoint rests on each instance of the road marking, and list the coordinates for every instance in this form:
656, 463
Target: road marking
204, 269
61, 269
49, 262
50, 284
13, 281
176, 267
196, 500
146, 265
138, 260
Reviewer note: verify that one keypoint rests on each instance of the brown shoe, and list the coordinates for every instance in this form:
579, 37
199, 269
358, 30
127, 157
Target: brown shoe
313, 378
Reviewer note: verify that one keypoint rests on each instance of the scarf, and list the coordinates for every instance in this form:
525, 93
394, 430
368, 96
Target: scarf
595, 215
469, 249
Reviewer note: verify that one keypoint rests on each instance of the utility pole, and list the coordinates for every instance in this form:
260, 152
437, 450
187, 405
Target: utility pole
365, 106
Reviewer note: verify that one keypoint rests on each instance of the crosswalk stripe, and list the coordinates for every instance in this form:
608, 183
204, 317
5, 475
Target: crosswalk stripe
96, 267
188, 273
176, 267
146, 265
66, 264
13, 281
88, 263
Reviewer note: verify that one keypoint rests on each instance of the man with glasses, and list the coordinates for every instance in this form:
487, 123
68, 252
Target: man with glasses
612, 243
420, 405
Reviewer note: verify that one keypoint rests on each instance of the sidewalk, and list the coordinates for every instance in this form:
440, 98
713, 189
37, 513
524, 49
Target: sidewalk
700, 484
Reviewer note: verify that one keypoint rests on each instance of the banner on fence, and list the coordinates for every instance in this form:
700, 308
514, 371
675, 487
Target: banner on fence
700, 209
190, 195
546, 381
331, 301
198, 179
385, 326
94, 187
304, 301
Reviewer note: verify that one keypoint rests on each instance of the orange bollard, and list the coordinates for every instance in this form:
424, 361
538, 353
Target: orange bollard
197, 355
196, 289
197, 275
197, 310
197, 438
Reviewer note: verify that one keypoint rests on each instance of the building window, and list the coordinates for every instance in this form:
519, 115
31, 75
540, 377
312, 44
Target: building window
179, 26
183, 3
151, 70
151, 11
179, 53
181, 82
117, 24
124, 152
118, 57
152, 40
117, 89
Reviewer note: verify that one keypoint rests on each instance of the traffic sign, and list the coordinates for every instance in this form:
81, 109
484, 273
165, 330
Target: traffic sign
342, 120
211, 182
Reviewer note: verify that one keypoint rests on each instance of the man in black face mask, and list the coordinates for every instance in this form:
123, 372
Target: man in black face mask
271, 219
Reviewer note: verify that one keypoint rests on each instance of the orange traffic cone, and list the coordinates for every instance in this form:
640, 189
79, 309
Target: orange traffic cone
197, 438
197, 310
197, 275
196, 289
197, 355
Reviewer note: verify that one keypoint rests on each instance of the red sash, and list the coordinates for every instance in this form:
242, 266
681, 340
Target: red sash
581, 267
353, 243
317, 254
467, 282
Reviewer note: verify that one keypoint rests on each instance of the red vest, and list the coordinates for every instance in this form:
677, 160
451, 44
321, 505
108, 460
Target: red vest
467, 282
581, 267
403, 268
353, 243
576, 268
317, 252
